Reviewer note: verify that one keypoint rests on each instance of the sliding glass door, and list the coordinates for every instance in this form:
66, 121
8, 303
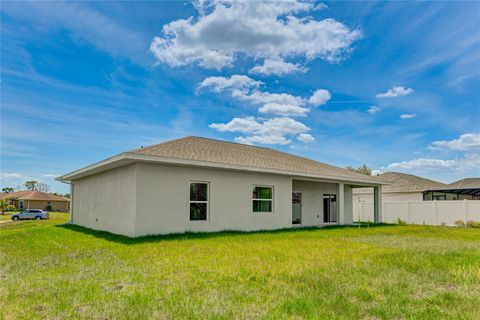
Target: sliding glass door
329, 208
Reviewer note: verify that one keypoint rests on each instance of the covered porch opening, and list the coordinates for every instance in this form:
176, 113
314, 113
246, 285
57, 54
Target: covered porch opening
318, 203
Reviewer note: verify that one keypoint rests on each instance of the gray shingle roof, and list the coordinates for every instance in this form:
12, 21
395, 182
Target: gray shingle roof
402, 182
229, 153
467, 183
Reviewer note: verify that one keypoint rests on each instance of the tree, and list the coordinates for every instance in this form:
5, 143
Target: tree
7, 190
3, 205
362, 169
42, 187
31, 185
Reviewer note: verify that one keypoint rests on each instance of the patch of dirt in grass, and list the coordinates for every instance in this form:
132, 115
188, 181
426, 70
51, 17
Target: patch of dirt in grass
119, 286
39, 308
426, 292
81, 309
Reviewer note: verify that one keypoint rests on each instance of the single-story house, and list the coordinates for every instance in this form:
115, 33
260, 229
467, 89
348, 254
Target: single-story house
36, 200
401, 187
203, 185
464, 189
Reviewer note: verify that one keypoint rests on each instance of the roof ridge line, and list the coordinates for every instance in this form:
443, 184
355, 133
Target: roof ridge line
256, 147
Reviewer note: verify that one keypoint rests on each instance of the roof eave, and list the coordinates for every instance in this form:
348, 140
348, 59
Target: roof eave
91, 169
128, 157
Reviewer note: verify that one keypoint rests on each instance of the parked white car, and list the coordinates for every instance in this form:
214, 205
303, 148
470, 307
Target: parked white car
30, 214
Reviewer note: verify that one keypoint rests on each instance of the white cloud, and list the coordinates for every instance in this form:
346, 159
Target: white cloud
263, 139
305, 137
283, 109
466, 142
247, 124
223, 30
376, 172
259, 130
259, 97
13, 175
244, 88
319, 97
270, 131
49, 175
373, 109
395, 92
278, 67
235, 82
408, 116
431, 164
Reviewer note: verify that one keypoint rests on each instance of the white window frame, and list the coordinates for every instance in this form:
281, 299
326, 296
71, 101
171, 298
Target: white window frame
273, 196
195, 201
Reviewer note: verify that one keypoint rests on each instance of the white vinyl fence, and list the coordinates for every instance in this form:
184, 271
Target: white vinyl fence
421, 212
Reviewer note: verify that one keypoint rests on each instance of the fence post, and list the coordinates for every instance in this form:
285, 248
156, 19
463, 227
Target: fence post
407, 208
383, 211
359, 211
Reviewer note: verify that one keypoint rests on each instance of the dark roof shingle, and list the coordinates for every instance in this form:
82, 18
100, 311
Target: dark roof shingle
222, 152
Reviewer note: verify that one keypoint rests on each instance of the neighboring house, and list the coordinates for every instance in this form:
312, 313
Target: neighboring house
401, 187
198, 184
464, 189
36, 200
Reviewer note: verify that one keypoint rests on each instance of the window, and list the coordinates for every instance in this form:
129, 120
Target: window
262, 199
198, 201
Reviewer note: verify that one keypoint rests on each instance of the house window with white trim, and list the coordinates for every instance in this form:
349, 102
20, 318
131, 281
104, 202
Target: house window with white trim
262, 199
198, 201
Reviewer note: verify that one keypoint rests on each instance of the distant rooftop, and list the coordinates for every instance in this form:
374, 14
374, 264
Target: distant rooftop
32, 195
402, 182
467, 183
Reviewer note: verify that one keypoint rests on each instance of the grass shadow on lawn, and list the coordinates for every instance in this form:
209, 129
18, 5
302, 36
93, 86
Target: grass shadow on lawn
201, 235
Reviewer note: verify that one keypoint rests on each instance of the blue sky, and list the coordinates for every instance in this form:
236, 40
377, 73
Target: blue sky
393, 85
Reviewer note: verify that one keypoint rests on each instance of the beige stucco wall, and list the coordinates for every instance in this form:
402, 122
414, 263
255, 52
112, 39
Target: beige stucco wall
41, 204
106, 201
62, 206
145, 199
163, 194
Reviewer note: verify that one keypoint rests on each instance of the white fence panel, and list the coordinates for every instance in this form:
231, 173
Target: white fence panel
394, 210
363, 211
473, 210
421, 212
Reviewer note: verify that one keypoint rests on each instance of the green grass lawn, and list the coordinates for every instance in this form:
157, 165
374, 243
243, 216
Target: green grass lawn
6, 216
50, 271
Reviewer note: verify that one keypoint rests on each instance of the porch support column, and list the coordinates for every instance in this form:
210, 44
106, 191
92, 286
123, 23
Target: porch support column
377, 204
71, 202
341, 203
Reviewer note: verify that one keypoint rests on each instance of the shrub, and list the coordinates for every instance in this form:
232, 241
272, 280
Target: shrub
10, 208
49, 207
473, 224
460, 223
401, 222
